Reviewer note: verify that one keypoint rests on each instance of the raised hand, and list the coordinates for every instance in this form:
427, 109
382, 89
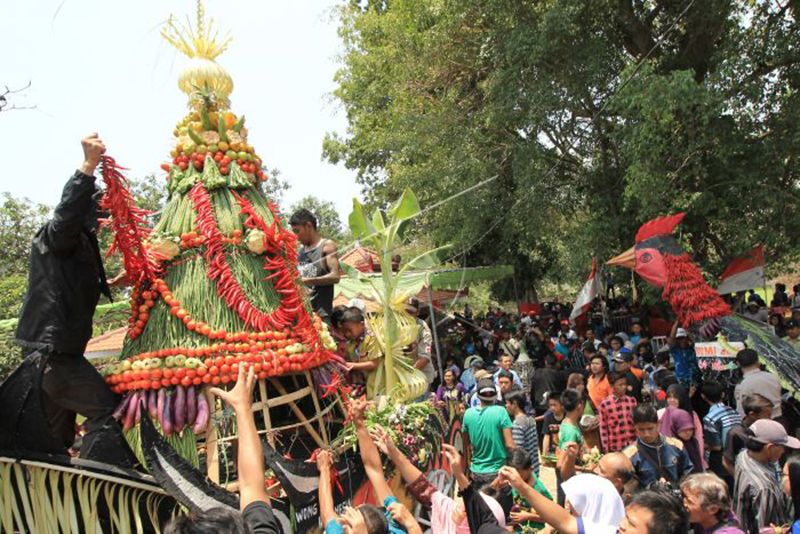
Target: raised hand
240, 398
324, 460
93, 149
383, 440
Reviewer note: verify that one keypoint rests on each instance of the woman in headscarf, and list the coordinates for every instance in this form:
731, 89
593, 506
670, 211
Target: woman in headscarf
678, 397
595, 499
677, 423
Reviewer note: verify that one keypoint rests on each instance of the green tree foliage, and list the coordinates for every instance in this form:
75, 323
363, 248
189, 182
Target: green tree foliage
443, 95
328, 222
19, 221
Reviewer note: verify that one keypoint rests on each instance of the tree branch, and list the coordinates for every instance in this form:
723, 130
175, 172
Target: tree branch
9, 91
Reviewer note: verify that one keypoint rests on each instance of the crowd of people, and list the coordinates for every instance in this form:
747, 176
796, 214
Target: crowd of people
608, 412
639, 442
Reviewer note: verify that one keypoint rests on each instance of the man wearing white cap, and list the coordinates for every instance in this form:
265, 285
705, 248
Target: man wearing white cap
684, 358
758, 499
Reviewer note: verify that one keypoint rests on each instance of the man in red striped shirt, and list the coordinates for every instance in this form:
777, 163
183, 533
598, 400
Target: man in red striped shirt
615, 415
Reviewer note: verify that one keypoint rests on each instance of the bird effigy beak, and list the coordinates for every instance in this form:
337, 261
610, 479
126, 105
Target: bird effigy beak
626, 259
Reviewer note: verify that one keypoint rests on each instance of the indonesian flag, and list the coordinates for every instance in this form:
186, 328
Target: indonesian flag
743, 273
586, 295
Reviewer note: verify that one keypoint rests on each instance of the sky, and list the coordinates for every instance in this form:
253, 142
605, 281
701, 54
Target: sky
100, 65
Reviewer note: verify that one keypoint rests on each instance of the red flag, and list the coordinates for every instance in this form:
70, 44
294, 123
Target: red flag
743, 273
586, 295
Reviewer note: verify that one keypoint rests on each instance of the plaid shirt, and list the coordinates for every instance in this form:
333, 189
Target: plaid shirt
616, 422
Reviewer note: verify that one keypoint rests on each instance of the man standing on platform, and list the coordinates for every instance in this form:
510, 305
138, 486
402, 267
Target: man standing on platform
318, 264
66, 277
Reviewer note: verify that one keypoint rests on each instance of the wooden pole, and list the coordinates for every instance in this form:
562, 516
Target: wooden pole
433, 328
300, 415
322, 428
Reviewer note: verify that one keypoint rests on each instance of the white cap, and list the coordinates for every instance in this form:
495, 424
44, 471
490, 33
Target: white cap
681, 333
357, 303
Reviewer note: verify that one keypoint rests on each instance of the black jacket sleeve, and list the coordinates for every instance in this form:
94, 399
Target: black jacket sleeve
480, 518
62, 232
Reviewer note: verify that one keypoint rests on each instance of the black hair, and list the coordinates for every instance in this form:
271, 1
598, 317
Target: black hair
754, 402
520, 459
668, 516
613, 376
570, 399
621, 341
374, 519
747, 357
680, 393
336, 315
645, 413
598, 356
794, 483
517, 397
502, 373
713, 391
210, 521
666, 380
352, 315
662, 358
301, 217
554, 395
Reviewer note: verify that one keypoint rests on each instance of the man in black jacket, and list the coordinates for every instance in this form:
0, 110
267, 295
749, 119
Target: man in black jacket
65, 280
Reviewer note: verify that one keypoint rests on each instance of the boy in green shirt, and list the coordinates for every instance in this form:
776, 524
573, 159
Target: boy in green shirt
523, 517
487, 429
569, 436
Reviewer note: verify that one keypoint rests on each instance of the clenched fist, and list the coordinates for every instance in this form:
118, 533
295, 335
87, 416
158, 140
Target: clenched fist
93, 148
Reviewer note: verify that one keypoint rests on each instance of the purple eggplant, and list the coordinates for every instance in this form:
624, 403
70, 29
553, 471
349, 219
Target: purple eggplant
161, 397
133, 408
152, 404
191, 405
201, 421
166, 424
179, 408
120, 412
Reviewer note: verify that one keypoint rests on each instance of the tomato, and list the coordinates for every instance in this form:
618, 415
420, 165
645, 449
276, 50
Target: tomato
168, 373
219, 361
197, 381
229, 337
230, 360
180, 314
235, 369
155, 384
201, 371
224, 170
155, 373
205, 330
165, 382
225, 369
207, 379
262, 375
174, 381
186, 381
226, 379
213, 370
187, 319
257, 367
180, 372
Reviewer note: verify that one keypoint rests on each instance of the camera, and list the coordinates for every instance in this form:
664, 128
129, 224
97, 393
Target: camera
666, 487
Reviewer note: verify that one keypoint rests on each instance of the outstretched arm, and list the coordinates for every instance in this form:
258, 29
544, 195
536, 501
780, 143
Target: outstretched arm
370, 456
251, 456
63, 230
550, 512
326, 509
384, 442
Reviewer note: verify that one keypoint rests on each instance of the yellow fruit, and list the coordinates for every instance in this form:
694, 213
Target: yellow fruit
224, 146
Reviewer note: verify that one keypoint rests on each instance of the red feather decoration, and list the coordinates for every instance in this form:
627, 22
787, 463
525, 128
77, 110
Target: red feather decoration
692, 299
660, 226
128, 222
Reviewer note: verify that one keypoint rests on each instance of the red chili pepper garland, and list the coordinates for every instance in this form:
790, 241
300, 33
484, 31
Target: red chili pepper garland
129, 224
